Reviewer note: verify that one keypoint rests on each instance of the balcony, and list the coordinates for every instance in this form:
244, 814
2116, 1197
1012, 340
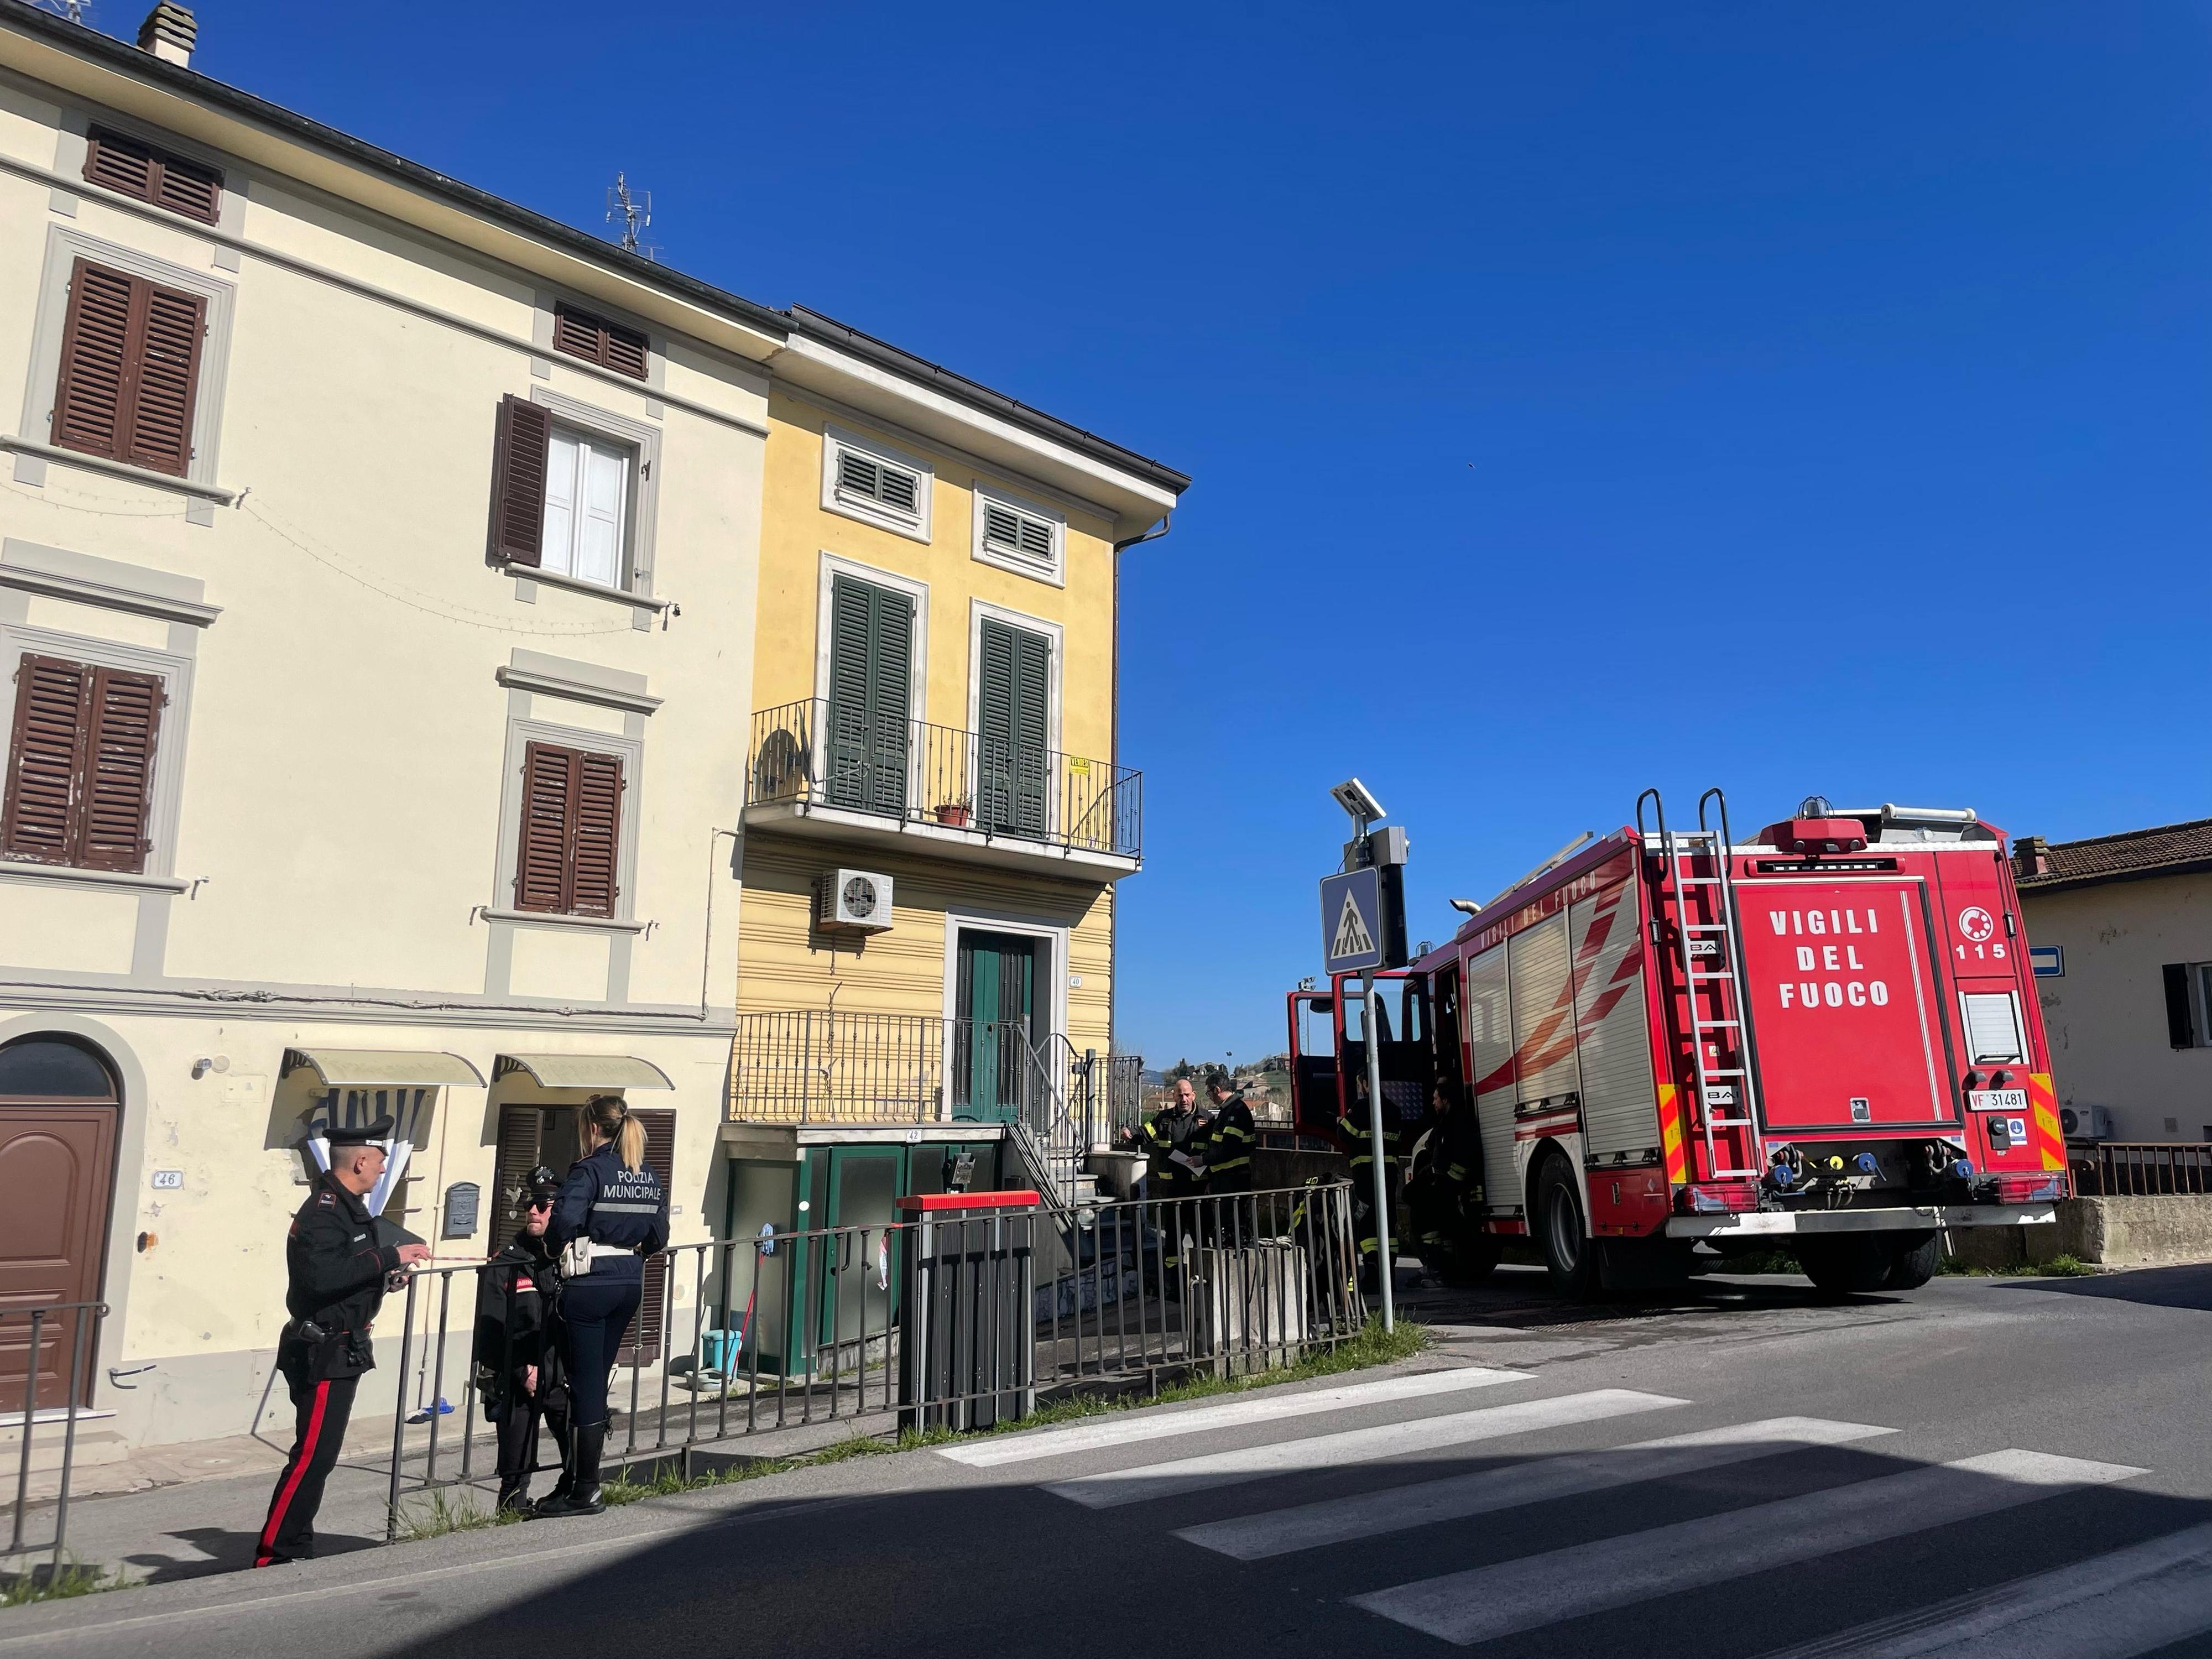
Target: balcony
813, 1067
814, 768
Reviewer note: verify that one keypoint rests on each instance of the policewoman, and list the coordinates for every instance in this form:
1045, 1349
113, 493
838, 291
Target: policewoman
611, 1214
517, 1354
338, 1275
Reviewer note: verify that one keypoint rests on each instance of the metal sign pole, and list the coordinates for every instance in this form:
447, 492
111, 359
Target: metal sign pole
1375, 1142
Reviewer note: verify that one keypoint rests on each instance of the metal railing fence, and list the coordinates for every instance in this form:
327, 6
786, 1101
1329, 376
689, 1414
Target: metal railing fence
47, 1353
805, 1326
815, 752
2140, 1169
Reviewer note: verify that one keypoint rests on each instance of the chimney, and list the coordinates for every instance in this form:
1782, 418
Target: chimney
2031, 856
168, 33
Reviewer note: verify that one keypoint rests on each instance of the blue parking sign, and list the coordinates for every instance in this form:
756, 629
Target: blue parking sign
1351, 920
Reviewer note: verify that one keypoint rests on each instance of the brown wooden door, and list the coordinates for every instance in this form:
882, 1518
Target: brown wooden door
57, 1169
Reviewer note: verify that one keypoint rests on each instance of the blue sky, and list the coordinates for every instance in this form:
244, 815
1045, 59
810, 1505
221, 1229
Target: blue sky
1581, 396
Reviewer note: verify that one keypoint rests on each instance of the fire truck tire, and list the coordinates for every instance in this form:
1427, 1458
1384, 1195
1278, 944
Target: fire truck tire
1846, 1264
1570, 1255
1913, 1261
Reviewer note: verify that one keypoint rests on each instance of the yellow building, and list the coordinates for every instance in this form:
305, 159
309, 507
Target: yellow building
937, 808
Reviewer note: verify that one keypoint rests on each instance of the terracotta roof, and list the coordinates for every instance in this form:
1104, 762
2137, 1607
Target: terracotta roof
2171, 849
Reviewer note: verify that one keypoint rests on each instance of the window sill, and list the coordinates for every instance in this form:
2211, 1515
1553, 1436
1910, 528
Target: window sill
555, 919
531, 573
145, 475
1053, 575
106, 880
913, 529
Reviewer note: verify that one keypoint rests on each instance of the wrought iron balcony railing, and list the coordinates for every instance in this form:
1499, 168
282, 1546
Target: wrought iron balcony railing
816, 752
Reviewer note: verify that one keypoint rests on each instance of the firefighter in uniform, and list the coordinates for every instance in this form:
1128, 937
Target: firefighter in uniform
337, 1275
1453, 1188
518, 1357
1174, 1140
1351, 1124
1229, 1145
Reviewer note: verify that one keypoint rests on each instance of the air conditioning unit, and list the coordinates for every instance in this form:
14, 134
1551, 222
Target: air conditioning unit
2085, 1123
853, 902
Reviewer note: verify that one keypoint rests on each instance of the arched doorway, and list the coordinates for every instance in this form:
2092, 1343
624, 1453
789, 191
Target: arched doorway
59, 1111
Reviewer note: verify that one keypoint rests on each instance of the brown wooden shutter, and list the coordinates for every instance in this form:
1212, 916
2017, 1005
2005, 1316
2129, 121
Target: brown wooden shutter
118, 791
129, 369
597, 836
579, 334
46, 751
120, 164
90, 404
625, 351
81, 765
549, 798
524, 432
642, 1340
131, 167
188, 188
161, 433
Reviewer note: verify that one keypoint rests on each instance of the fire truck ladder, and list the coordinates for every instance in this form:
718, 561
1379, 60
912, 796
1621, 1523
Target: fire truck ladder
1724, 1078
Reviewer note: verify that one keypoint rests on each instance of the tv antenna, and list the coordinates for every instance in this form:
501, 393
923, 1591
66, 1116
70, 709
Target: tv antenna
72, 9
635, 215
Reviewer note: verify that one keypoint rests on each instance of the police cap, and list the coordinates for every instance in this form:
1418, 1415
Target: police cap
361, 1134
542, 1185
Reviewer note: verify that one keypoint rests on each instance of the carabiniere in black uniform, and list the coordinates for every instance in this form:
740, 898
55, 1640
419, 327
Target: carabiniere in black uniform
338, 1275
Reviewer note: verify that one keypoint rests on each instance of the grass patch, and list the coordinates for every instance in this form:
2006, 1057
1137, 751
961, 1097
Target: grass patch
455, 1510
71, 1578
2059, 1267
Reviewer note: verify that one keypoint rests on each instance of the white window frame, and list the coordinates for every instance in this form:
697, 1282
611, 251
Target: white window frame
915, 526
562, 562
1052, 570
2200, 996
641, 494
1052, 632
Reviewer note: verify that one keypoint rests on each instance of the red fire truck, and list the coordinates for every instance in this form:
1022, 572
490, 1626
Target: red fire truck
1824, 1039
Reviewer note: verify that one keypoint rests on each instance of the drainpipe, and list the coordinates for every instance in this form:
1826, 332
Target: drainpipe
1114, 759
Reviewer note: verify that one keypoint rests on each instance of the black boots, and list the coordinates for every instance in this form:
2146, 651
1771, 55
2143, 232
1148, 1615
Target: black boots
577, 1491
514, 1495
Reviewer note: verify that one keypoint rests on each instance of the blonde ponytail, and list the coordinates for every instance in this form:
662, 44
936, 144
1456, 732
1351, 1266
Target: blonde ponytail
607, 1117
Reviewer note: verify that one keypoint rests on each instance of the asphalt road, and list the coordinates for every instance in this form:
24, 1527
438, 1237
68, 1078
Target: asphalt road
2004, 1469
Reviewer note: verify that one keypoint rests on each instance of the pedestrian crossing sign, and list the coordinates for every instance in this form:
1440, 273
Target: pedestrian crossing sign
1351, 920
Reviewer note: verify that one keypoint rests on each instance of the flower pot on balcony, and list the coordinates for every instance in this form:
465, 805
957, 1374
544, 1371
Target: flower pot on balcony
953, 814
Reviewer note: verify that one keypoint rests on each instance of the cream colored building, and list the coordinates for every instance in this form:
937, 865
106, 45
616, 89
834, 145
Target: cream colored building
2122, 929
387, 575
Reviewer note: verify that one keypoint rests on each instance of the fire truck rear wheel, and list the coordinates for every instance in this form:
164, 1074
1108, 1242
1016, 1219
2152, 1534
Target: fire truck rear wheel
1570, 1252
1913, 1260
1846, 1264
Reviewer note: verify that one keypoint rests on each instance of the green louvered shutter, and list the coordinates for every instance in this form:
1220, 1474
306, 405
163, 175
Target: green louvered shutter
1011, 728
871, 677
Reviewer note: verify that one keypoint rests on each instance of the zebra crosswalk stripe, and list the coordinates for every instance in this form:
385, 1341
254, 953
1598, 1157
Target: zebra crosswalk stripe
1484, 1603
1125, 1428
2132, 1602
1400, 1509
1134, 1485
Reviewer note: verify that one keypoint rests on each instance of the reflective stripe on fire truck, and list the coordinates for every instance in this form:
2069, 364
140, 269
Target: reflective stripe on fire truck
2043, 1102
1670, 1133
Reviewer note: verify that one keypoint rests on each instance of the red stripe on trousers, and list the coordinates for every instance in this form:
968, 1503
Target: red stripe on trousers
284, 1494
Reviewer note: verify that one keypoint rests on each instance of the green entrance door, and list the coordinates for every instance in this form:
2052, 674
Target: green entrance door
995, 1001
859, 1278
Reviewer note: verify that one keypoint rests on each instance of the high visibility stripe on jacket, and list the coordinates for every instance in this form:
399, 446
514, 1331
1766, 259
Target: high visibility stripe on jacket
1229, 1146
